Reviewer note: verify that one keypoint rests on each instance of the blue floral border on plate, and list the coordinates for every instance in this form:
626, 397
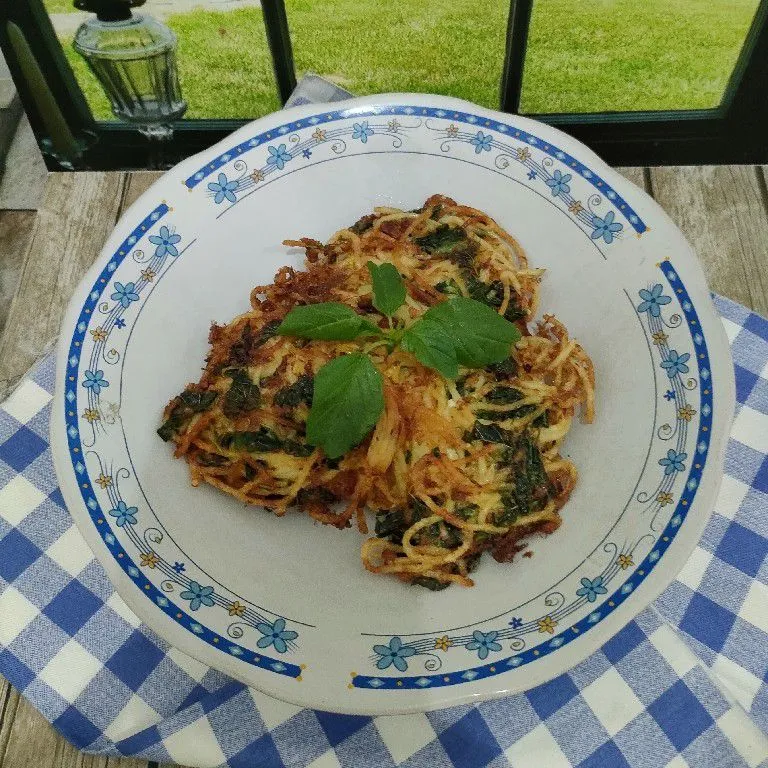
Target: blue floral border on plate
393, 654
101, 520
278, 156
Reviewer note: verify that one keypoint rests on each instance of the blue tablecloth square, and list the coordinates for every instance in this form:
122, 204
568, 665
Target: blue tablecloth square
743, 548
761, 477
549, 697
72, 607
707, 621
17, 553
623, 642
606, 756
745, 382
16, 671
758, 325
22, 448
339, 727
262, 753
680, 715
467, 751
74, 726
135, 660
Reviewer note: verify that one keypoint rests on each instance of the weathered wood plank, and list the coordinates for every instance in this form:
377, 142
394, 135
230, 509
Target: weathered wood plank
635, 175
15, 234
78, 212
722, 212
33, 743
138, 184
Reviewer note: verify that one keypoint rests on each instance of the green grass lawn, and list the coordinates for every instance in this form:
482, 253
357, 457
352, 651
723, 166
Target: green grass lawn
582, 57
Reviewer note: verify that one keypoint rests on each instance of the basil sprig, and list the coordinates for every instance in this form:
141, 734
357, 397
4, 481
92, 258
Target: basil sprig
348, 391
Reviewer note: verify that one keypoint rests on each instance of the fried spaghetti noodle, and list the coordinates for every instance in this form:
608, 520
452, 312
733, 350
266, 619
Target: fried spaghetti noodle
452, 468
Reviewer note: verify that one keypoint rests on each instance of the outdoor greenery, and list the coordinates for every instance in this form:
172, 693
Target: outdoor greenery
602, 55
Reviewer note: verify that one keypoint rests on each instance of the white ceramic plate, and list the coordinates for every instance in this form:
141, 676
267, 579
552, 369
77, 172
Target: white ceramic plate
284, 604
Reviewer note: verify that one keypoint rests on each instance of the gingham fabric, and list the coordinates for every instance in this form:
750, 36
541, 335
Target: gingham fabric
682, 685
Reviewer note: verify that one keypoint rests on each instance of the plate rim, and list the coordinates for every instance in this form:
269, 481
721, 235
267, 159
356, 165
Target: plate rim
650, 588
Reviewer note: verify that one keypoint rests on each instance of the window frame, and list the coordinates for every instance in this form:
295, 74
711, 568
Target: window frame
731, 133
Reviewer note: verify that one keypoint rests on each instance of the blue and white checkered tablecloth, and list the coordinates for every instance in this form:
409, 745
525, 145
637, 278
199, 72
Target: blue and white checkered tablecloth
685, 684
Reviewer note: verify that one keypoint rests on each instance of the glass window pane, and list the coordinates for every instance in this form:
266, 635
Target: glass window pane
451, 47
225, 67
626, 55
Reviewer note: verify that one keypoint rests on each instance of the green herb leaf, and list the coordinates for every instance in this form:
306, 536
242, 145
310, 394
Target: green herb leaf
388, 288
329, 321
197, 400
450, 243
431, 346
441, 240
262, 441
348, 400
242, 396
504, 395
299, 392
479, 335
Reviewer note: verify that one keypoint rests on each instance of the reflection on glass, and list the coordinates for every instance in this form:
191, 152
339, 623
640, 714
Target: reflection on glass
224, 64
135, 61
451, 47
627, 55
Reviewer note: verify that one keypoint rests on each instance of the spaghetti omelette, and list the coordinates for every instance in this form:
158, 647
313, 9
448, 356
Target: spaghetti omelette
452, 467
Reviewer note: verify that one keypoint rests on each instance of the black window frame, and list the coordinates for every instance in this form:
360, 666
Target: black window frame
732, 133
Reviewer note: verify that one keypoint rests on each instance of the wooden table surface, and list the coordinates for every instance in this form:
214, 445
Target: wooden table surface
723, 211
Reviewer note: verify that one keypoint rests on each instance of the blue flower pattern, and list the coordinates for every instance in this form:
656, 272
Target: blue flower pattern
124, 514
278, 156
591, 588
119, 323
653, 300
224, 189
483, 642
393, 654
559, 183
197, 595
516, 622
179, 567
275, 634
605, 228
481, 142
362, 131
95, 381
675, 363
125, 294
165, 240
673, 462
670, 394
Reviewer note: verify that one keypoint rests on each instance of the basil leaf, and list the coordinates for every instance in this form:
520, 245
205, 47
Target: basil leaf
388, 288
479, 335
330, 321
243, 395
347, 403
431, 346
